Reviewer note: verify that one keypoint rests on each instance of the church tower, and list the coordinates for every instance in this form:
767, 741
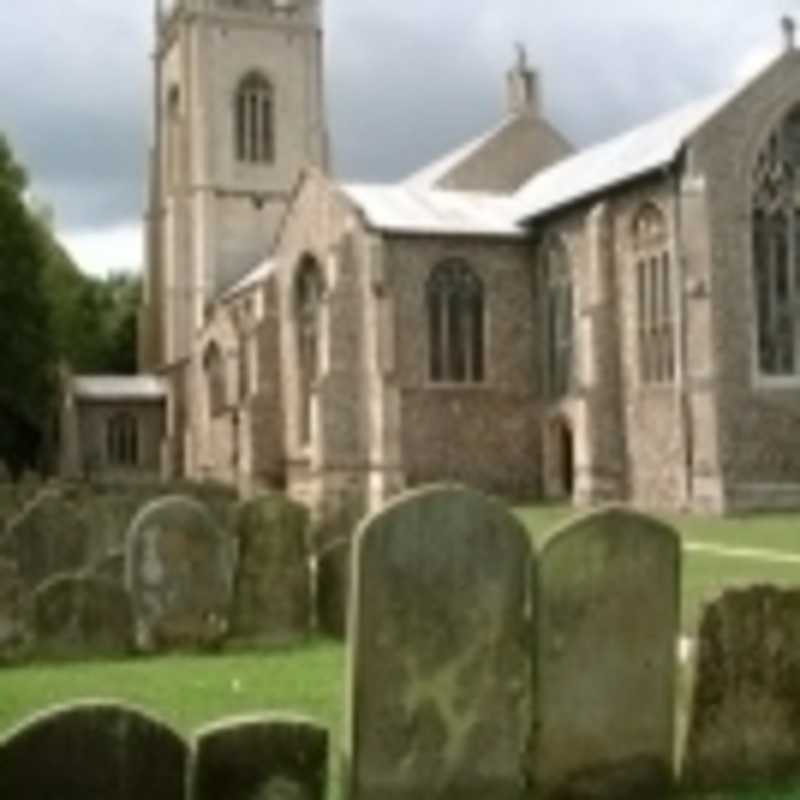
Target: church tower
239, 109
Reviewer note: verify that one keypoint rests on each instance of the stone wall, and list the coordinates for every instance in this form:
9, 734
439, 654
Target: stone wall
486, 435
757, 415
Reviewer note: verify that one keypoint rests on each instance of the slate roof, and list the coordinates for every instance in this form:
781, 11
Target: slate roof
119, 387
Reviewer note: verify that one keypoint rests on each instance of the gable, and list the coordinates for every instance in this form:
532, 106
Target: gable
499, 161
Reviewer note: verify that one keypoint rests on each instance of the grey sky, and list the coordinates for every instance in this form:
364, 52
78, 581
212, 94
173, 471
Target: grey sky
405, 82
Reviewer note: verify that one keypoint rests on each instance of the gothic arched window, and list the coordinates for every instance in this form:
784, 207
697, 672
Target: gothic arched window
254, 120
557, 301
776, 248
456, 310
214, 368
122, 440
308, 290
654, 313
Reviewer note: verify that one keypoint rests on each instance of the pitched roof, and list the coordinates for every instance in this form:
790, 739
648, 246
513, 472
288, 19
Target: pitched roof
119, 387
404, 208
249, 280
630, 155
428, 176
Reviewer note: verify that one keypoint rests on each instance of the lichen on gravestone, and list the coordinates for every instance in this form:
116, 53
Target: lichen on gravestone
438, 656
179, 575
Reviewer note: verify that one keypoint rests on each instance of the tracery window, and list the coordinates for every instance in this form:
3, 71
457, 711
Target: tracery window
254, 119
214, 368
308, 291
776, 249
122, 440
654, 290
557, 313
456, 323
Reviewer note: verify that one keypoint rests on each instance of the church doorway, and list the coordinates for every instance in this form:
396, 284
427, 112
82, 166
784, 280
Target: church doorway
560, 460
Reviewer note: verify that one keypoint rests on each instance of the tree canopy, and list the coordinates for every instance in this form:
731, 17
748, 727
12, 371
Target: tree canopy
51, 313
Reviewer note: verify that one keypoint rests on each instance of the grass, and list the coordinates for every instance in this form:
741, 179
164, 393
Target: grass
191, 691
706, 574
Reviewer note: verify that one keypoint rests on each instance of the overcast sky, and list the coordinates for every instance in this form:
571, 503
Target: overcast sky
406, 81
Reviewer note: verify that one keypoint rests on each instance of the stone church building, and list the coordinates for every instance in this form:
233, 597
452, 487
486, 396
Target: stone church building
621, 322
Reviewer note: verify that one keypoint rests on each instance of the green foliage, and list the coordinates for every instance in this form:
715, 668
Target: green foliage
50, 313
27, 355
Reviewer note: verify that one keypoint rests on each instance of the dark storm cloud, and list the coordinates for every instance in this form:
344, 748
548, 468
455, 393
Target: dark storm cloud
406, 81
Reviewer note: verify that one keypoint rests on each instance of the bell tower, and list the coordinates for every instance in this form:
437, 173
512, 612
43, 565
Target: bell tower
238, 110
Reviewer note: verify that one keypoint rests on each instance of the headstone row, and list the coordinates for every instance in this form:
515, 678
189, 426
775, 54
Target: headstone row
110, 751
480, 666
189, 581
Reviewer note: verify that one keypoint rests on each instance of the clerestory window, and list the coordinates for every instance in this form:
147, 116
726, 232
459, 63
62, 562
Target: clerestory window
654, 300
456, 323
214, 368
775, 218
254, 120
308, 291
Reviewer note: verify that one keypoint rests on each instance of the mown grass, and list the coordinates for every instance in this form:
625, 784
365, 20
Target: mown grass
191, 691
705, 575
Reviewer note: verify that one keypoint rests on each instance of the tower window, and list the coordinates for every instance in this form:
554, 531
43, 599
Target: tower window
654, 287
455, 323
254, 122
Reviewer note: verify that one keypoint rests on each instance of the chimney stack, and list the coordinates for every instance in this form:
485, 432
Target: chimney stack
789, 27
522, 86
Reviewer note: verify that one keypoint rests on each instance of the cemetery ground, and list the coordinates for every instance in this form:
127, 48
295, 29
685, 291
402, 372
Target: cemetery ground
188, 691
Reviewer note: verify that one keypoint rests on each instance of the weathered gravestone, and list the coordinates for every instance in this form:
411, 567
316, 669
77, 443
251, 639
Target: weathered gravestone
76, 615
260, 758
110, 567
178, 573
107, 517
93, 751
48, 538
12, 617
607, 626
272, 597
333, 588
438, 653
745, 720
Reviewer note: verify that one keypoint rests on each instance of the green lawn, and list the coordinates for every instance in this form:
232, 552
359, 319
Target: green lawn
706, 574
190, 691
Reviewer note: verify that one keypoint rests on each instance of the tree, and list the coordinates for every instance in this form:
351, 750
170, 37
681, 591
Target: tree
26, 353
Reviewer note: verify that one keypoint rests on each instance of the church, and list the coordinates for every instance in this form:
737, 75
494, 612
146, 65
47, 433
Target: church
620, 323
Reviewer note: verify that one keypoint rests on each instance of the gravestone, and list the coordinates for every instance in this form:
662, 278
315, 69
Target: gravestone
178, 574
97, 751
333, 588
107, 518
12, 618
439, 674
745, 719
607, 627
79, 616
260, 758
48, 538
272, 598
110, 567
